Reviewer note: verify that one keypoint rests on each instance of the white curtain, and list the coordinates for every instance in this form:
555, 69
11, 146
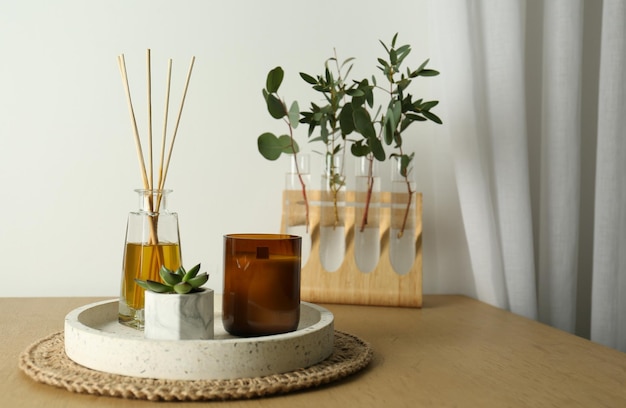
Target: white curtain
534, 103
608, 318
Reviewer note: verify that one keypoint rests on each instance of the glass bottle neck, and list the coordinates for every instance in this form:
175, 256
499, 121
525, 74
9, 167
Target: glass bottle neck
153, 201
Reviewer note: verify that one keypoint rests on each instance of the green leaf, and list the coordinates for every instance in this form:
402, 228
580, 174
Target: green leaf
329, 76
356, 92
397, 112
363, 123
405, 124
308, 78
324, 131
421, 67
191, 273
377, 149
347, 74
418, 71
384, 46
346, 121
183, 288
294, 114
390, 122
369, 97
274, 79
415, 117
358, 100
166, 269
359, 149
405, 161
428, 73
287, 146
347, 60
390, 118
199, 280
397, 137
389, 129
429, 105
168, 277
402, 52
384, 64
275, 107
432, 117
312, 125
269, 146
393, 57
403, 84
141, 284
157, 287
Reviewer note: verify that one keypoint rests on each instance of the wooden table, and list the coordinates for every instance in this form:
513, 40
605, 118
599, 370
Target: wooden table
454, 352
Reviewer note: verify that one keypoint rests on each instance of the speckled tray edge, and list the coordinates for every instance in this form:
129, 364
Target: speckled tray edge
94, 339
45, 361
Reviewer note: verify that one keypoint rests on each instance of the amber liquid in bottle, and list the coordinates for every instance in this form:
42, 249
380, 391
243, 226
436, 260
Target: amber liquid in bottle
261, 285
143, 261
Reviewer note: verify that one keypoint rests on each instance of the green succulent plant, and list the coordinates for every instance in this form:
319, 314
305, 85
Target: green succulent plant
180, 281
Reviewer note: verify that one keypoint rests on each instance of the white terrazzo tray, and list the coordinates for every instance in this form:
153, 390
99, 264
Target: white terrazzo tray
95, 339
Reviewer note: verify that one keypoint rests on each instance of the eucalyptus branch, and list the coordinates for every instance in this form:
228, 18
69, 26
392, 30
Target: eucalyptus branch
402, 111
402, 157
326, 119
294, 148
370, 189
346, 111
271, 146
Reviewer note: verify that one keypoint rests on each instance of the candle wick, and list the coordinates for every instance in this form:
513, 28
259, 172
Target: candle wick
262, 253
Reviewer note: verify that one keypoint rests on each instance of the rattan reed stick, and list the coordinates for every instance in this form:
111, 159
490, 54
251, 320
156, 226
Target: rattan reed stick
180, 111
149, 103
142, 164
165, 116
148, 183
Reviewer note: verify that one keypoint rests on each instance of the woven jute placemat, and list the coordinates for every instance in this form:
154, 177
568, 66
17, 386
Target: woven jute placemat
45, 361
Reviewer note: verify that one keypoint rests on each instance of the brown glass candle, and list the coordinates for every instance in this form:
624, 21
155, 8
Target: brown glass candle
261, 284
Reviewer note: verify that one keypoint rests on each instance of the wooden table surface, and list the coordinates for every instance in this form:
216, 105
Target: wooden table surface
454, 352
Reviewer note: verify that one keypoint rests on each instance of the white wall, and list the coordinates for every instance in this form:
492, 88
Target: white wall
67, 160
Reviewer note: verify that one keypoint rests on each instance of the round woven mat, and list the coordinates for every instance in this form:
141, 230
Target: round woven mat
45, 361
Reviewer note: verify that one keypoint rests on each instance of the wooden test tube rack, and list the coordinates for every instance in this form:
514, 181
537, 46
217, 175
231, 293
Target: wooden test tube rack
348, 285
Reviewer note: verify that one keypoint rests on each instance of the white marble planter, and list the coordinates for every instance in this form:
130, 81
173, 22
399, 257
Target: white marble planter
170, 316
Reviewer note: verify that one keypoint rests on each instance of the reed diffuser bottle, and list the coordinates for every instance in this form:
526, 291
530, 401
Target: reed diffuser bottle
152, 240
